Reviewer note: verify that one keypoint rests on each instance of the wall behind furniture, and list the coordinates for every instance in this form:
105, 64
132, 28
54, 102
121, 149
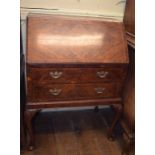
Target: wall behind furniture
103, 8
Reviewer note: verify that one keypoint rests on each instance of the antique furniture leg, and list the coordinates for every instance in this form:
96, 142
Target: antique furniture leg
29, 115
118, 112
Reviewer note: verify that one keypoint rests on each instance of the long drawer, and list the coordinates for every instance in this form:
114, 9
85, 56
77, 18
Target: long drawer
75, 75
43, 93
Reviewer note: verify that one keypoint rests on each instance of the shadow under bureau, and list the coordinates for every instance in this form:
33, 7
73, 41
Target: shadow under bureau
74, 61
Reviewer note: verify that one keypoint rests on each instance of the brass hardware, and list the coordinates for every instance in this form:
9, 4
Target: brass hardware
55, 91
102, 74
99, 90
55, 74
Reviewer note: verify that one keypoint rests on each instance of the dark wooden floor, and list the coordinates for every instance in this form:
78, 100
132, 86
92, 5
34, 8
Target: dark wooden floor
75, 133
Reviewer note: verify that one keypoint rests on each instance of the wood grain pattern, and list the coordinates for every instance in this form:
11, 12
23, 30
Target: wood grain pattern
74, 61
62, 39
41, 93
76, 75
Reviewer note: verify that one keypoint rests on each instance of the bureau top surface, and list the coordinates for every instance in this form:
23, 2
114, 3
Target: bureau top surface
66, 39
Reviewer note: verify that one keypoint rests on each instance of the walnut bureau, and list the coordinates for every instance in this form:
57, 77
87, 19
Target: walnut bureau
74, 61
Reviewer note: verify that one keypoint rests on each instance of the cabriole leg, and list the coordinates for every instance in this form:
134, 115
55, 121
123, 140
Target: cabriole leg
28, 116
118, 112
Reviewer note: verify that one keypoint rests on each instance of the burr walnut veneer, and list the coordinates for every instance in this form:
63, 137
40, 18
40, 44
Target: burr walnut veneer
74, 61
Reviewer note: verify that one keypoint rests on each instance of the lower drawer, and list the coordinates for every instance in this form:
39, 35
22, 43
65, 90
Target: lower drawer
45, 93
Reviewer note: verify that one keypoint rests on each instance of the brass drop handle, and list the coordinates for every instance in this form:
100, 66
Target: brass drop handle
102, 74
55, 74
55, 91
99, 90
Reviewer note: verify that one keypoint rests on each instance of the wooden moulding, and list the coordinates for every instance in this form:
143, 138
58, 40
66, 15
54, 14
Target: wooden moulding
75, 103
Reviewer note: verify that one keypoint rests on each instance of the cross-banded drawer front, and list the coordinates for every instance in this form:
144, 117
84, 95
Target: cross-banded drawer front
99, 90
75, 75
53, 75
105, 74
42, 93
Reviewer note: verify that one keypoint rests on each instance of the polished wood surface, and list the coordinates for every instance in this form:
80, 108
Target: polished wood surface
75, 75
62, 39
74, 62
44, 93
